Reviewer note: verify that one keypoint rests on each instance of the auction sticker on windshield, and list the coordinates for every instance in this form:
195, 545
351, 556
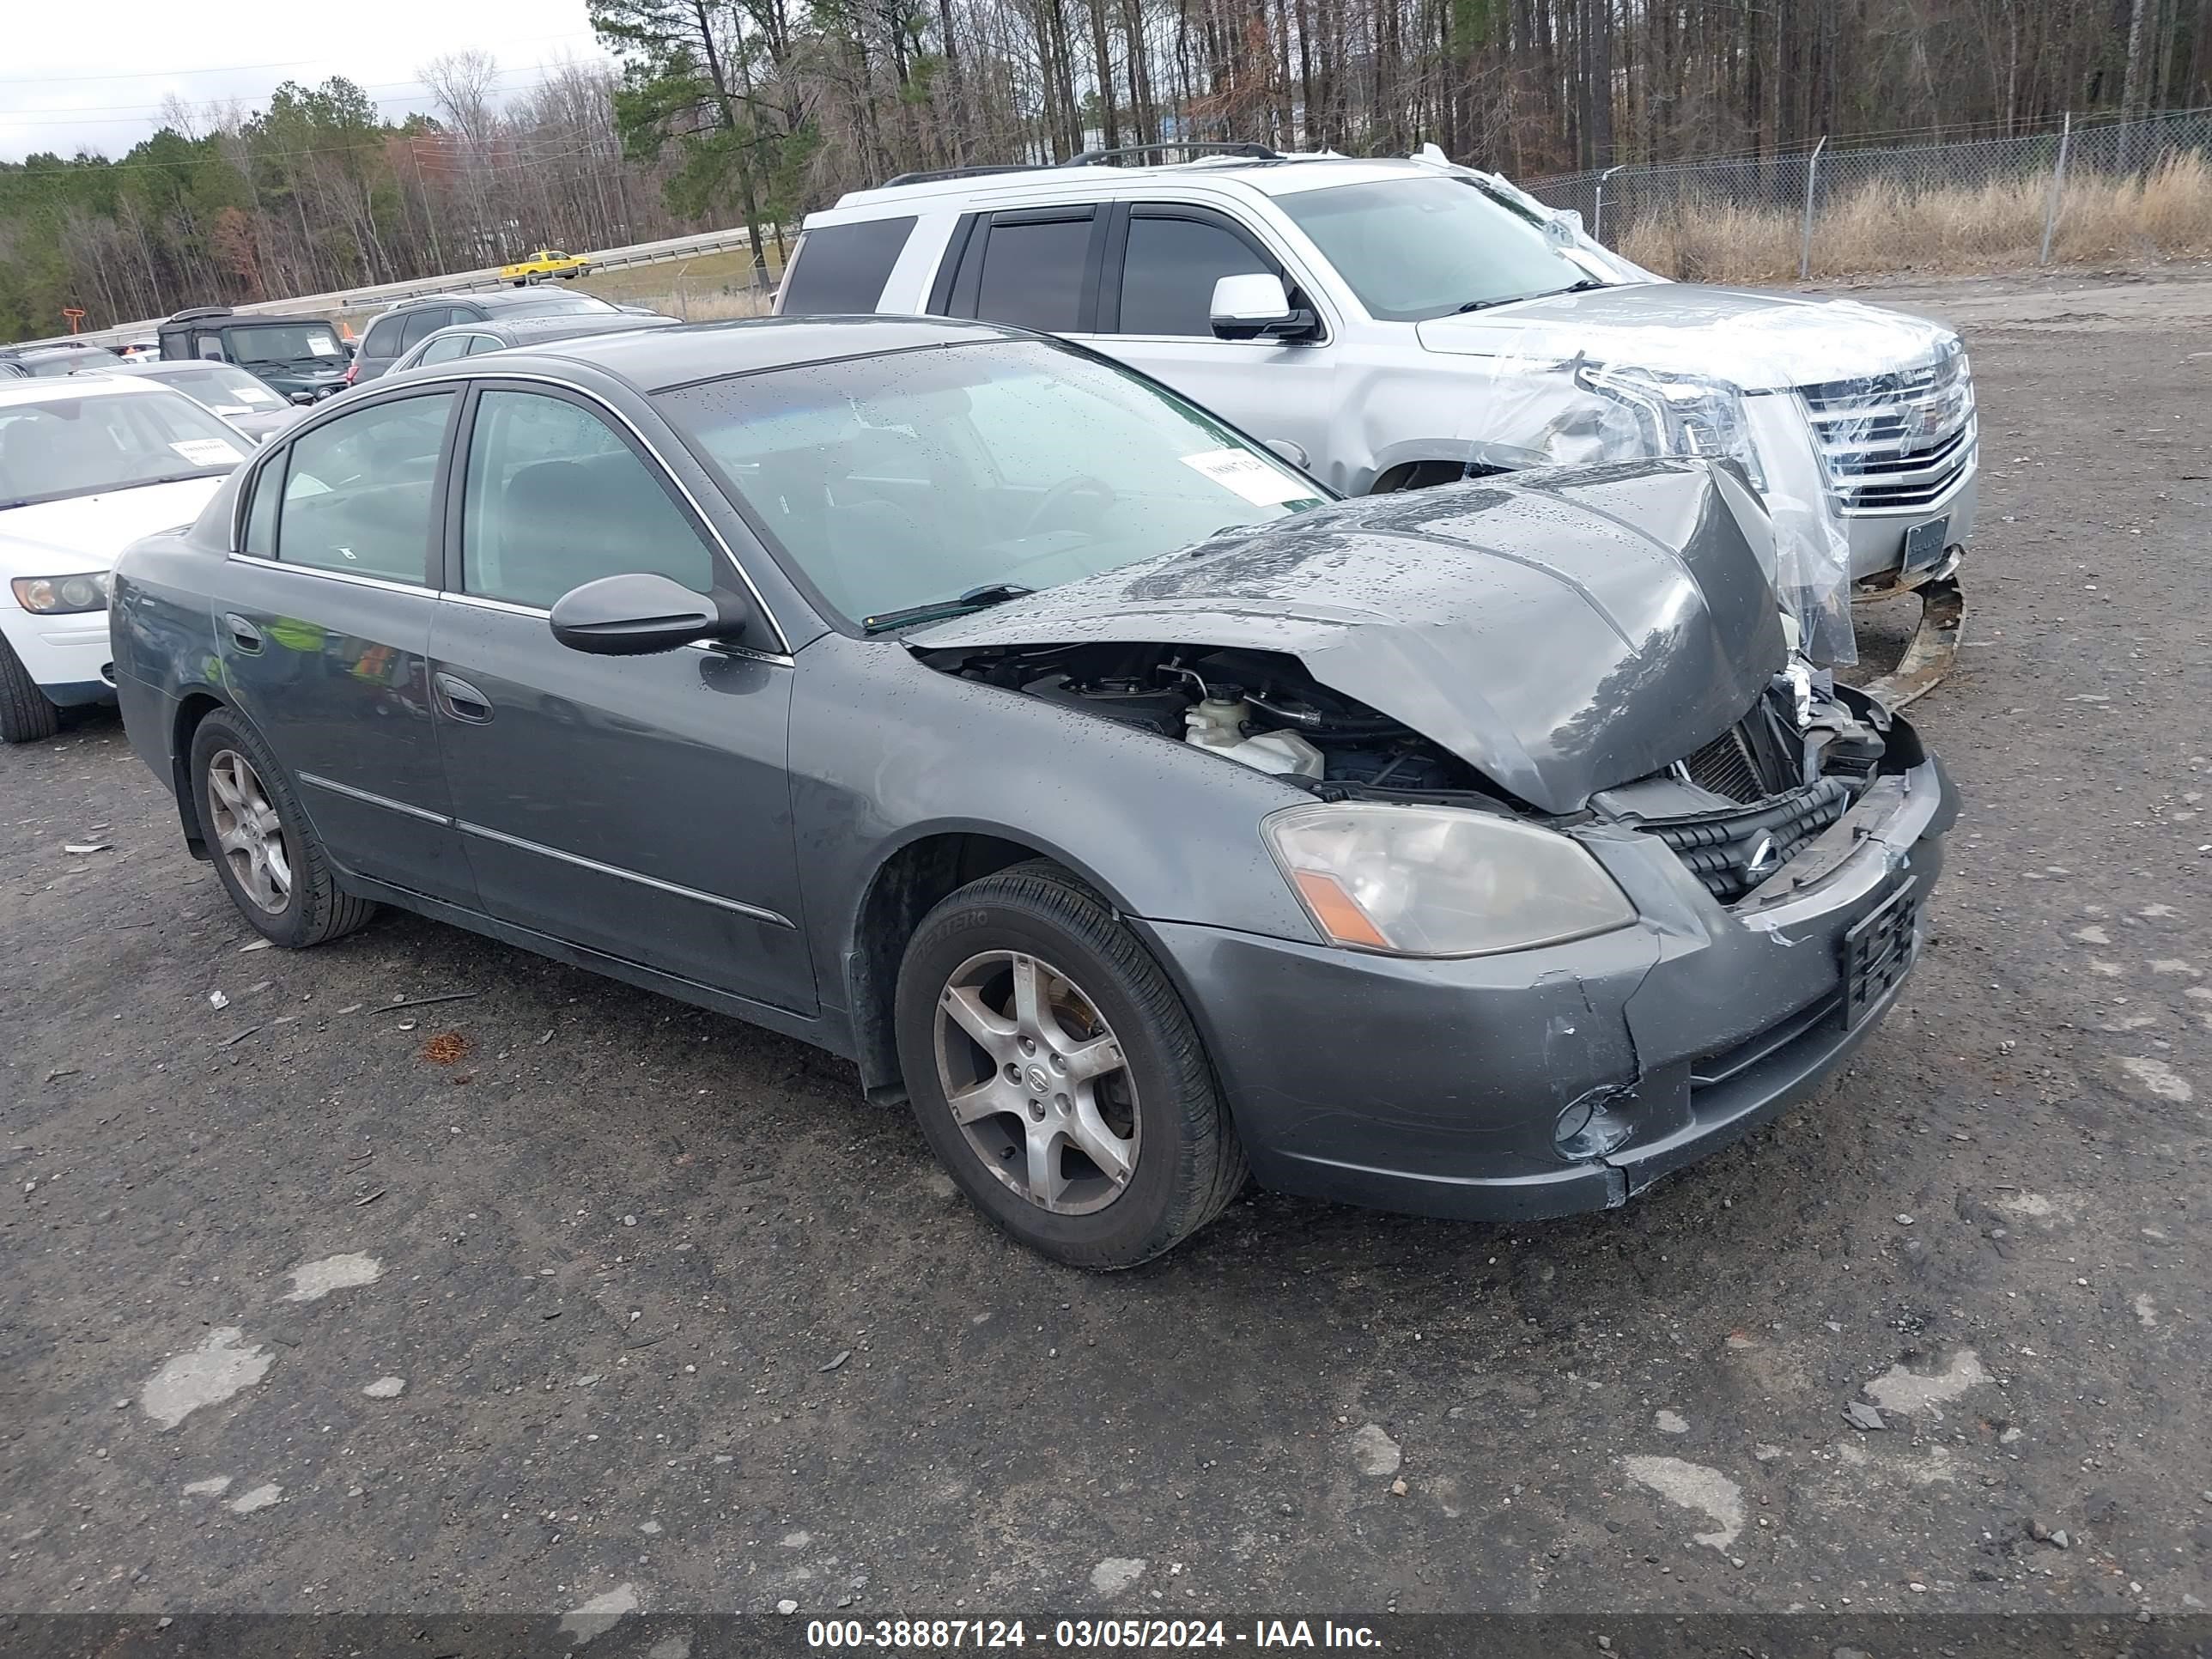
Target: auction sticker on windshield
206, 451
322, 345
1250, 477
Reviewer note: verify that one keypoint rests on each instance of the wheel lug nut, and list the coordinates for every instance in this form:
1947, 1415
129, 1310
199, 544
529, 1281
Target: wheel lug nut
1028, 1047
1013, 1072
1036, 1111
1059, 1064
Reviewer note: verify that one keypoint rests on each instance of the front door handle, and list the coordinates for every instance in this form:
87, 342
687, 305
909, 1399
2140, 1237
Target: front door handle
463, 701
243, 634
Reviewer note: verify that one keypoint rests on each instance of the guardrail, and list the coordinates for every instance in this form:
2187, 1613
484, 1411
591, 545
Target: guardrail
379, 295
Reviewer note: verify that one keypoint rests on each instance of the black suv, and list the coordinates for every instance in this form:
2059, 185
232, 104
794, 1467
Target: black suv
300, 358
410, 322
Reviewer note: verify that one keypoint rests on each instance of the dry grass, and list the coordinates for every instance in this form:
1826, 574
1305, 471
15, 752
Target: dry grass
707, 289
1880, 228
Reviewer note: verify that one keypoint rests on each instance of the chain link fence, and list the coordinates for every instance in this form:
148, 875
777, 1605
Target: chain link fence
1808, 186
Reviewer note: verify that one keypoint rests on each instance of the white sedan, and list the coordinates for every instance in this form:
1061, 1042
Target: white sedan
88, 466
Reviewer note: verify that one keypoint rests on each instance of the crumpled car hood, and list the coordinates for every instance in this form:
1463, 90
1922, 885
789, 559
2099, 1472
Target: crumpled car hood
1759, 342
1568, 631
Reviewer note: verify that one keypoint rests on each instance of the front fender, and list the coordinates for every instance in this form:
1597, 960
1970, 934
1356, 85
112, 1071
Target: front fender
885, 751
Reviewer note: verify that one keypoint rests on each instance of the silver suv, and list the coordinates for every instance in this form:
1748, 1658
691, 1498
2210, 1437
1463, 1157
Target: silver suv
1393, 324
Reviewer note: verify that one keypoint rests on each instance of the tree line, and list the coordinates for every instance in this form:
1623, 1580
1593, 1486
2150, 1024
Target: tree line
755, 111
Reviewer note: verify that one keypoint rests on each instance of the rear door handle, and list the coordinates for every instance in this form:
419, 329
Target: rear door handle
463, 701
243, 634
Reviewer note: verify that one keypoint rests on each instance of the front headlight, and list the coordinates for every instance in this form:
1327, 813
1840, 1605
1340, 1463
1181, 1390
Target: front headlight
62, 596
1679, 414
1437, 881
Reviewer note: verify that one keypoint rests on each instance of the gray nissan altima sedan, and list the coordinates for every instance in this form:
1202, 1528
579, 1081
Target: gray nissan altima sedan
974, 708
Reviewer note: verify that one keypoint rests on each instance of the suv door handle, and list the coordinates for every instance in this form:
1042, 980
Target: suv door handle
463, 701
243, 634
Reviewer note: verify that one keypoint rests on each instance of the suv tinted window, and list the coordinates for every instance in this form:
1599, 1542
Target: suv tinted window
382, 339
555, 500
1168, 279
843, 268
358, 496
423, 322
1033, 273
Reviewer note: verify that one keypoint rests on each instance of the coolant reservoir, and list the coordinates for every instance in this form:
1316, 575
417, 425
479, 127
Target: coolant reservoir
1218, 723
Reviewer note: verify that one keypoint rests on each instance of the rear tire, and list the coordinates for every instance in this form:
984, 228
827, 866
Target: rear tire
266, 853
25, 716
1105, 1043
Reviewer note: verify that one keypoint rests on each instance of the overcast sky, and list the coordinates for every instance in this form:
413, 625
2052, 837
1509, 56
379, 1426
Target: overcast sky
91, 77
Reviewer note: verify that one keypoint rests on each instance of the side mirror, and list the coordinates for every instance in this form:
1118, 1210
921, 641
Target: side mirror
303, 397
1294, 454
1253, 305
639, 614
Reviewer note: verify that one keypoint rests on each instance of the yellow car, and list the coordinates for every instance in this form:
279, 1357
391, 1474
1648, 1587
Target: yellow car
546, 262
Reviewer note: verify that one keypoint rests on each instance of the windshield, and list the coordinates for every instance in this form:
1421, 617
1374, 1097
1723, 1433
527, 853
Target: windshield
226, 390
912, 479
83, 445
1417, 248
293, 345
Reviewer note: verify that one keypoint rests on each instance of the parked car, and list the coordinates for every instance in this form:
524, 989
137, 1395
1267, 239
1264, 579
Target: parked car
303, 358
545, 263
240, 397
1404, 323
140, 351
87, 466
501, 334
964, 703
409, 322
54, 361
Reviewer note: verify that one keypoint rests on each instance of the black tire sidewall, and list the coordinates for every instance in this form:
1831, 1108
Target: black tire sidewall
1143, 1221
224, 729
26, 714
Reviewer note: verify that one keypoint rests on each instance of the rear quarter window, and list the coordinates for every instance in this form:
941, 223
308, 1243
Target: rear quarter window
842, 268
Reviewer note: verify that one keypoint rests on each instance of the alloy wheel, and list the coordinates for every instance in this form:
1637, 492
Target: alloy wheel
1037, 1082
248, 831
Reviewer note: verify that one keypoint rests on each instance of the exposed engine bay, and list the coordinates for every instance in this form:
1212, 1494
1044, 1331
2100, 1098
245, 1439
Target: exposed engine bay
1734, 810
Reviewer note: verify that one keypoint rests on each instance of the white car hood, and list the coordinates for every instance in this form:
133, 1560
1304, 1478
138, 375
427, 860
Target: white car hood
1759, 341
85, 532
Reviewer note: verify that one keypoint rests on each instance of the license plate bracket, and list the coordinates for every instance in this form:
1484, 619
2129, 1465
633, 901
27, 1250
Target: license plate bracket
1877, 950
1924, 543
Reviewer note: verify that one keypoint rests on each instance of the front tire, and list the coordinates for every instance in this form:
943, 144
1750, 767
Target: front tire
1057, 1075
25, 716
266, 853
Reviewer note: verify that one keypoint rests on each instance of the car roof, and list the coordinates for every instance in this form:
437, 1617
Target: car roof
1282, 175
655, 359
246, 319
492, 299
104, 384
554, 326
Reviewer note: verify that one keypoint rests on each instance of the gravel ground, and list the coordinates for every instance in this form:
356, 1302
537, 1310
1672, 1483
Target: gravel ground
562, 1294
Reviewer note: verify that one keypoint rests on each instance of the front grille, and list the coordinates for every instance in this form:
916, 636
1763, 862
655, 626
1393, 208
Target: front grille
1731, 852
1895, 441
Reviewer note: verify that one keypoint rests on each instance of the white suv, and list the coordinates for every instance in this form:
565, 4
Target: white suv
88, 466
1394, 324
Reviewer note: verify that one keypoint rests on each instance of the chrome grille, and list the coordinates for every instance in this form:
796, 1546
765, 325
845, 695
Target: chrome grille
1892, 441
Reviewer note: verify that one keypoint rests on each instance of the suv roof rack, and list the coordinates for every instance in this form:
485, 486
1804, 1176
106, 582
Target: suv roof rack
1254, 152
1087, 158
930, 176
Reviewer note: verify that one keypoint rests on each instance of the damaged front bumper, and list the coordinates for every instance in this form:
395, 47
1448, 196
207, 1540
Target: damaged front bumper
1482, 1087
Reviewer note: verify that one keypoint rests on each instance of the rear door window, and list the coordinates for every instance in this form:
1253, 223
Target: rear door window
840, 269
1033, 271
359, 491
423, 322
382, 339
